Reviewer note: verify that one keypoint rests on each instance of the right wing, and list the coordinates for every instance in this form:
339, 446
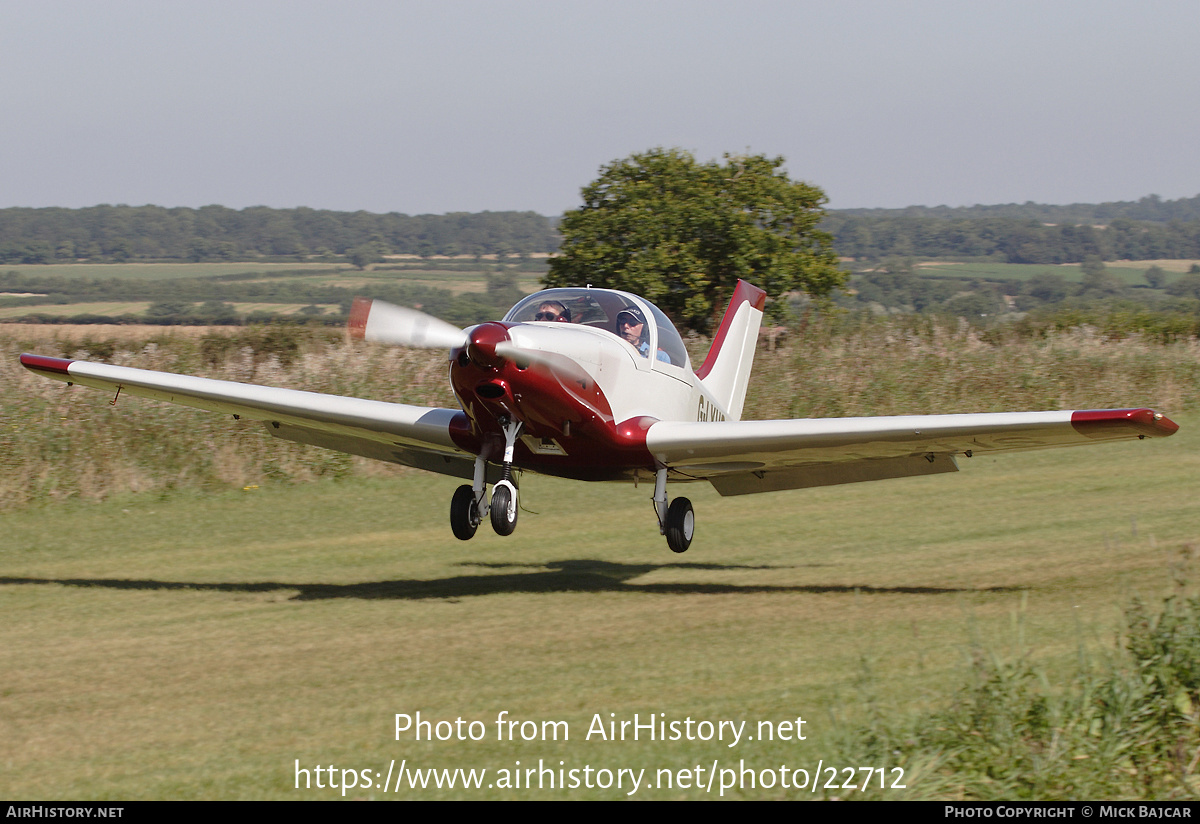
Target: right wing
418, 436
742, 457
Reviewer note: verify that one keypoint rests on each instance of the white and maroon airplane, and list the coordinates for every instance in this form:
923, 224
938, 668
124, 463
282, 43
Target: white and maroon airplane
596, 385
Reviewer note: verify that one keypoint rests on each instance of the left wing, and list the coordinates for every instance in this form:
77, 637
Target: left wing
411, 435
741, 457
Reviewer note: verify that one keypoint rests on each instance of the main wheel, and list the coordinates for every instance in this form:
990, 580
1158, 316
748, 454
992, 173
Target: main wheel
504, 509
464, 517
681, 525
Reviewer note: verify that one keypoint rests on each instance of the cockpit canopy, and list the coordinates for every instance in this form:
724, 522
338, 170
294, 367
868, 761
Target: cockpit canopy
599, 308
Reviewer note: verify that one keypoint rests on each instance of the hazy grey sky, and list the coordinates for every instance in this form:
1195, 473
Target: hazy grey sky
430, 107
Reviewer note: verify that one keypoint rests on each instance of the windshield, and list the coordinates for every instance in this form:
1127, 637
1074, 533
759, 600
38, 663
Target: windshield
606, 309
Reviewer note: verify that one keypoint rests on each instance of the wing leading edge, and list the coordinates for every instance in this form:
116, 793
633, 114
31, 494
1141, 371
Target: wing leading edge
411, 435
742, 457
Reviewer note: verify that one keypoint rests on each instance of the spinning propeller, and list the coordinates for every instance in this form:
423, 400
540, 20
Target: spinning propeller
376, 320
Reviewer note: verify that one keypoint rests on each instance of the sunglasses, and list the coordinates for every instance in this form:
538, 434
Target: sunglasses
546, 316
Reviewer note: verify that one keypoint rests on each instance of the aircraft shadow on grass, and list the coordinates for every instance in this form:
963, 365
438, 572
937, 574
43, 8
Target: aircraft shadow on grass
579, 576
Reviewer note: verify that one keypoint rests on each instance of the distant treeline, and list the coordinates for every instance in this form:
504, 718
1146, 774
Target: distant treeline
120, 233
1011, 240
1146, 229
1152, 209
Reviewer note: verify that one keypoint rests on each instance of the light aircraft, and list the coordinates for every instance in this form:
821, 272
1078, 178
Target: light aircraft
596, 385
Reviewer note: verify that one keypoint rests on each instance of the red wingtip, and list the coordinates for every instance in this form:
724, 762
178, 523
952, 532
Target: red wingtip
359, 310
1115, 423
41, 363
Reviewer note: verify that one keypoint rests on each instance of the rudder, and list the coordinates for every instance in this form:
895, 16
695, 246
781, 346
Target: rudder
725, 373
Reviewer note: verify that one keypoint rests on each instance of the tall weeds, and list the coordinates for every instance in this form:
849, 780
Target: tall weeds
1124, 727
60, 442
923, 364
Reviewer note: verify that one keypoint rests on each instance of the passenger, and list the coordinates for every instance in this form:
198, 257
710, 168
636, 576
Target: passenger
552, 310
631, 325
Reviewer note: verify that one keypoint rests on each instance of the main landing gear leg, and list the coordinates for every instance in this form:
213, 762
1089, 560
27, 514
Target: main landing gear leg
504, 491
677, 521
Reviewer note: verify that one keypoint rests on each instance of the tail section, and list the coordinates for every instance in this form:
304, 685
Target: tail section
726, 371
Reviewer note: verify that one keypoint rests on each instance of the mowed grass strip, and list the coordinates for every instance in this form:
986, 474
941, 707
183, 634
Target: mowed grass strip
163, 271
111, 308
117, 308
1129, 272
196, 645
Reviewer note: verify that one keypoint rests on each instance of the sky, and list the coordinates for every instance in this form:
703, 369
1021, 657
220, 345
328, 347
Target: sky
465, 105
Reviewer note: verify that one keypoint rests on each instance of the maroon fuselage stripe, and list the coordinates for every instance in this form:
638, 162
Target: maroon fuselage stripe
41, 363
1102, 424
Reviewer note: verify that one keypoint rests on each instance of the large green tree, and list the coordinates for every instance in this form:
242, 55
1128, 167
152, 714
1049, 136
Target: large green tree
681, 233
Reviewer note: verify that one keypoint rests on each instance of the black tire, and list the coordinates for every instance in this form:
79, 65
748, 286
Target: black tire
501, 500
681, 525
463, 519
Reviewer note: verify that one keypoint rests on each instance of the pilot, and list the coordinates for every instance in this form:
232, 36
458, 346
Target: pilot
631, 325
552, 310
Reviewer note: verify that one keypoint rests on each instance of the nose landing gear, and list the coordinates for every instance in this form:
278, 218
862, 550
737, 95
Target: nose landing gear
470, 503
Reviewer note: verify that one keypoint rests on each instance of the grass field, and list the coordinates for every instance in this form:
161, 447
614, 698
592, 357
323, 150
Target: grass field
206, 636
194, 645
110, 308
118, 308
162, 271
1131, 273
298, 279
457, 281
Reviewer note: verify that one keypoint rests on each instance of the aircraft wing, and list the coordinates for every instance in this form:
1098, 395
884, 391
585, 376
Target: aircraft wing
411, 435
741, 457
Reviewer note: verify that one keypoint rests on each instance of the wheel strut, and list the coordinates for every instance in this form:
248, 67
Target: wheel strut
504, 506
660, 499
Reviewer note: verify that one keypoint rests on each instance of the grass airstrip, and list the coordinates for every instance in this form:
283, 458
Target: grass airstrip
118, 308
1131, 273
213, 645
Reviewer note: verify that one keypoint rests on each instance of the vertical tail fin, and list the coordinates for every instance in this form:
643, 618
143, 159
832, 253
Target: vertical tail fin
726, 371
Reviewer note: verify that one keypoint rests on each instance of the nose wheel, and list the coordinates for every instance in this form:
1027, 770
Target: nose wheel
470, 503
504, 507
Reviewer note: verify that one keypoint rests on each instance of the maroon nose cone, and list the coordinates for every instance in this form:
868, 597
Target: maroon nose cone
483, 340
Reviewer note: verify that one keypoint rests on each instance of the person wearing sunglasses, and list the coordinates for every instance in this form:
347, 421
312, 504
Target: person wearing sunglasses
552, 311
631, 325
